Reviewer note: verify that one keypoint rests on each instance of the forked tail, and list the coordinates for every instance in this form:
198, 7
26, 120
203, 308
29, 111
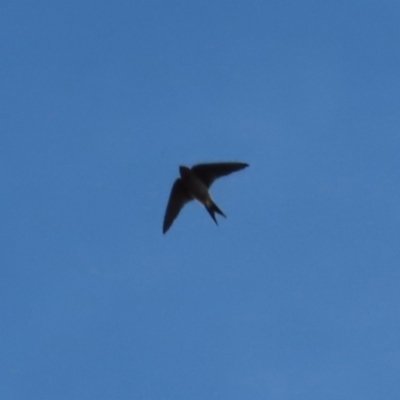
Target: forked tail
212, 209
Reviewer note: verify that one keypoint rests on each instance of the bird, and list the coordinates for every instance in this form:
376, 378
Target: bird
194, 184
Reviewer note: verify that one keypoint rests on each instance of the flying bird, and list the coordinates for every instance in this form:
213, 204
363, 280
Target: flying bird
194, 184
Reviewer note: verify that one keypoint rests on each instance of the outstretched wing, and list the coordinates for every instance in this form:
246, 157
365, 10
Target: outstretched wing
178, 198
208, 173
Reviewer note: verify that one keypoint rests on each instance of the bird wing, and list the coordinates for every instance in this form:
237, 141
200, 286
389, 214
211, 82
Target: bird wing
208, 173
178, 198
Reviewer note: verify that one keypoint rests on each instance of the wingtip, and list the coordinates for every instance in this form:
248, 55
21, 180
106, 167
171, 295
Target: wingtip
243, 165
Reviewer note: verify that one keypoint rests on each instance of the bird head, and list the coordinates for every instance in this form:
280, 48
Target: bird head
184, 171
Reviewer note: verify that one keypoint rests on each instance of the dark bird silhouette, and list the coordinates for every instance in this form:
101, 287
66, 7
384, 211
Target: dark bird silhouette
194, 184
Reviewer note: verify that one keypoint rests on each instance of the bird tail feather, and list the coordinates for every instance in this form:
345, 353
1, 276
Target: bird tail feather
212, 209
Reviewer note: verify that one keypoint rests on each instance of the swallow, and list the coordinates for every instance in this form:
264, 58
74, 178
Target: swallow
194, 184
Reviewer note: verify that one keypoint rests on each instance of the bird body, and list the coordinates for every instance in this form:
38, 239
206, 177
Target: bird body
194, 183
195, 186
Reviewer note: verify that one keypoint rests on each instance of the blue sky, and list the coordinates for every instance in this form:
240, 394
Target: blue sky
295, 295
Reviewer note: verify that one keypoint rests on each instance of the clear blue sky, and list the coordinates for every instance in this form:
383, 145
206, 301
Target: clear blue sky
296, 295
